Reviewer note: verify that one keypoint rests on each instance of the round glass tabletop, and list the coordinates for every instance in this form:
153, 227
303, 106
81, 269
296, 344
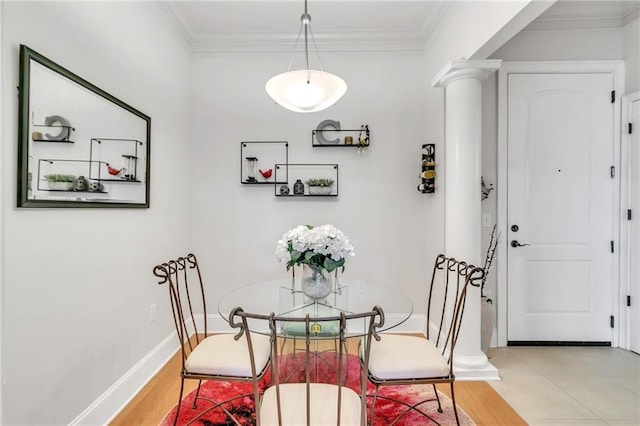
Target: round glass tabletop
281, 297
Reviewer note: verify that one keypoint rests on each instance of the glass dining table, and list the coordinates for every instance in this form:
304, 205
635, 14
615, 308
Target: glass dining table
283, 298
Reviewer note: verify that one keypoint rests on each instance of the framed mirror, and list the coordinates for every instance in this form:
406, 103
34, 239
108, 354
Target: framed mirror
78, 145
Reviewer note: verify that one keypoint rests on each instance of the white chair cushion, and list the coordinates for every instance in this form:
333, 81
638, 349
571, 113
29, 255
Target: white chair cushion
405, 357
324, 405
222, 355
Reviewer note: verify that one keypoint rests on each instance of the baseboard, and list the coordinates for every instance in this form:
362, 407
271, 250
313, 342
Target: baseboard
110, 403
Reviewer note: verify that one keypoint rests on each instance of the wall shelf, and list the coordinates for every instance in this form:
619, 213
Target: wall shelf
76, 168
303, 172
106, 151
50, 141
258, 160
326, 138
65, 135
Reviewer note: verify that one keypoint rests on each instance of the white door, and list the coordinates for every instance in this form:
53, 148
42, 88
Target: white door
560, 206
634, 228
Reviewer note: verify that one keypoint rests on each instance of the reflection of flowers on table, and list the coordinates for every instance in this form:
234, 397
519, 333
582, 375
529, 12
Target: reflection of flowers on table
321, 248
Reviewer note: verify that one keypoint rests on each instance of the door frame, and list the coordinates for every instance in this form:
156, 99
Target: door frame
625, 226
616, 68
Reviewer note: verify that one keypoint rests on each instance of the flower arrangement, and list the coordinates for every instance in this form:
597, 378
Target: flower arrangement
321, 247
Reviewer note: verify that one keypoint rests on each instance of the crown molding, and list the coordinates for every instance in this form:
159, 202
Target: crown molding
179, 21
338, 42
585, 16
371, 40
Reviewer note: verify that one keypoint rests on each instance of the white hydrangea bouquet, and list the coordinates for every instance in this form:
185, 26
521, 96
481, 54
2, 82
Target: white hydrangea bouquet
320, 247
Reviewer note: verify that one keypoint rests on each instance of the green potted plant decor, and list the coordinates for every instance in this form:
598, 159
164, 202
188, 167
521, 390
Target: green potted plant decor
60, 182
320, 186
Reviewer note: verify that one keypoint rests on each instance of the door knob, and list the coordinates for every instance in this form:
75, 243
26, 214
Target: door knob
514, 228
515, 243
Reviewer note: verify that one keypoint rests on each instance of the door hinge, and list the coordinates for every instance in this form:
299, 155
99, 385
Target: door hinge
630, 128
612, 321
628, 300
613, 96
613, 172
611, 246
629, 214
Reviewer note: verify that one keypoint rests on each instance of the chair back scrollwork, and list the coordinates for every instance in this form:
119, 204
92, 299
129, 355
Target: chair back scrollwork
450, 281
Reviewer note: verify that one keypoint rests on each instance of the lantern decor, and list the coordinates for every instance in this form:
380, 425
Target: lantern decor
252, 167
428, 175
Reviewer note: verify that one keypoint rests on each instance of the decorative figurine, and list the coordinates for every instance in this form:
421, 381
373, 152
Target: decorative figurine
284, 190
251, 168
321, 128
298, 188
95, 186
63, 123
266, 174
128, 167
113, 171
428, 174
363, 138
80, 184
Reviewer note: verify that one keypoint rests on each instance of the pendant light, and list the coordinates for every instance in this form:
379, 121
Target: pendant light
306, 90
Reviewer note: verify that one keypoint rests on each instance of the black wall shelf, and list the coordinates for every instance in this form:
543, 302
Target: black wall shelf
304, 172
318, 139
50, 141
61, 166
130, 161
258, 161
65, 129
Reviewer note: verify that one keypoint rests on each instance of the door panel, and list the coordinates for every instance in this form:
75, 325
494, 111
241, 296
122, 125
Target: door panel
634, 225
560, 194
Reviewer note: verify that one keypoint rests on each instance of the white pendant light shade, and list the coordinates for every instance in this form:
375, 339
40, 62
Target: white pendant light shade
306, 90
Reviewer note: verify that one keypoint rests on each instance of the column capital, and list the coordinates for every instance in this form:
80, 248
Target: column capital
479, 69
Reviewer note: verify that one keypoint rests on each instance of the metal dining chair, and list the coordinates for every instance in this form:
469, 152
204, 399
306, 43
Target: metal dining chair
410, 360
204, 356
312, 403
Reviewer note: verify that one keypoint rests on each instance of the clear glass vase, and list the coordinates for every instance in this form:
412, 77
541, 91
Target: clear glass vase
316, 282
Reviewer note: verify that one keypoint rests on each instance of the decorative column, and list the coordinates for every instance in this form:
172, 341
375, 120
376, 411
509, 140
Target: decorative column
462, 80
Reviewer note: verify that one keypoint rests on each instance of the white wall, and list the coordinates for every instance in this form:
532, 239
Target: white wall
632, 55
556, 45
77, 283
378, 207
468, 25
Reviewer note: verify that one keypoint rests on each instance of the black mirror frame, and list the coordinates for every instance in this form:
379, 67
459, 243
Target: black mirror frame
26, 55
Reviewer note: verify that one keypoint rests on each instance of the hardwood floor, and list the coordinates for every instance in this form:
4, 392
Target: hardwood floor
154, 401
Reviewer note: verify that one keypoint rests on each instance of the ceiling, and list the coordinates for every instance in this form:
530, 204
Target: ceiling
250, 24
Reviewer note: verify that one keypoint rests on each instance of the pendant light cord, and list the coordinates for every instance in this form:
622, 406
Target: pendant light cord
306, 29
306, 25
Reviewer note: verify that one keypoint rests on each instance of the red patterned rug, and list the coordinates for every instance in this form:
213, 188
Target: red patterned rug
242, 409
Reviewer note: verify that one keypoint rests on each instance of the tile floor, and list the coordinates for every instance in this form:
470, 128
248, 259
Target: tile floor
570, 385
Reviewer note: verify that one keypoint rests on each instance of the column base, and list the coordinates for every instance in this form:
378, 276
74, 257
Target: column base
488, 373
474, 368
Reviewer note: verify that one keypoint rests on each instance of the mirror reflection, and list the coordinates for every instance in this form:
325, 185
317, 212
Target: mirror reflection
80, 146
